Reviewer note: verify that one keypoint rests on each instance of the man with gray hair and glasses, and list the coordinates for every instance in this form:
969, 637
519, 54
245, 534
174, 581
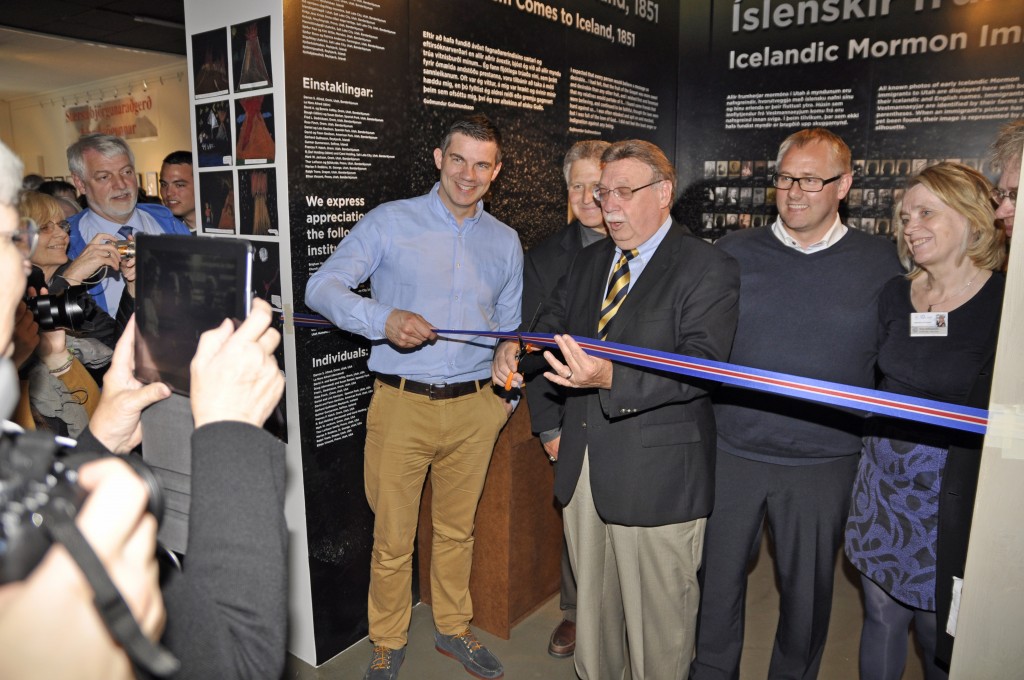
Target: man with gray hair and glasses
544, 265
808, 306
103, 168
1006, 153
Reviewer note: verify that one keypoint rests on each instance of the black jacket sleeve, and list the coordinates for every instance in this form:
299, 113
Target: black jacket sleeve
227, 610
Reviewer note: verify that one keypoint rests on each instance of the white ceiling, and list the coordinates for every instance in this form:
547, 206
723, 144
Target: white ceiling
32, 63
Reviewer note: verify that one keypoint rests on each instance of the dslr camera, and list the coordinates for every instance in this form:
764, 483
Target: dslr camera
38, 477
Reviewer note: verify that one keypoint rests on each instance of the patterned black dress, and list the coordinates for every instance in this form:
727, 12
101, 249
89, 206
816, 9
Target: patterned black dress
891, 530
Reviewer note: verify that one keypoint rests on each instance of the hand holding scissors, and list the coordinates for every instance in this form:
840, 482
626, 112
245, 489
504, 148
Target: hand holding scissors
522, 350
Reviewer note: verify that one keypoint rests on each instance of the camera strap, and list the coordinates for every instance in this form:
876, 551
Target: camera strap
59, 522
151, 656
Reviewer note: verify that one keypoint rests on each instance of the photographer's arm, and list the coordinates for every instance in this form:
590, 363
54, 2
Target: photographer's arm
227, 611
53, 352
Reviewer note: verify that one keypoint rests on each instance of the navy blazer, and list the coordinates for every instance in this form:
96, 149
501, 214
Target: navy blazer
651, 437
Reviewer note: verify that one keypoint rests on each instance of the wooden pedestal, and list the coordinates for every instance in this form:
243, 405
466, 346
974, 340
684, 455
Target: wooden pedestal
518, 547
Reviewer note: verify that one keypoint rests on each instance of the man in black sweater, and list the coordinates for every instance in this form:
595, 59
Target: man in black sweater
808, 292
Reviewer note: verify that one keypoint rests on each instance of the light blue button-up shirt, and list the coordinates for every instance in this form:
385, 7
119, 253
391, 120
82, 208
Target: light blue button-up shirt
419, 259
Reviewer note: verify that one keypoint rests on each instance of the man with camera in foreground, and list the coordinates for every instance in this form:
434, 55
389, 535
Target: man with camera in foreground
224, 615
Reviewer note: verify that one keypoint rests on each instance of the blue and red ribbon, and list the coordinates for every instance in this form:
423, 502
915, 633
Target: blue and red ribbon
820, 391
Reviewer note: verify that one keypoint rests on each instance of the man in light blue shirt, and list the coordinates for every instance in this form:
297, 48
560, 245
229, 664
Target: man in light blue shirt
103, 168
434, 261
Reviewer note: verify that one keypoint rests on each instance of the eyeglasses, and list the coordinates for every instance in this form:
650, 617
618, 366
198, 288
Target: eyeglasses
621, 193
47, 227
25, 237
811, 184
1000, 195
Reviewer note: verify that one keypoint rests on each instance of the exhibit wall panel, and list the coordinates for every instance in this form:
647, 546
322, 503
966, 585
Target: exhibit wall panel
906, 84
987, 627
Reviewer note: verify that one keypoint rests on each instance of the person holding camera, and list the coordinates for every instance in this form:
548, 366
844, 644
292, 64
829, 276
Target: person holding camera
51, 256
227, 609
55, 600
61, 275
103, 169
224, 615
63, 339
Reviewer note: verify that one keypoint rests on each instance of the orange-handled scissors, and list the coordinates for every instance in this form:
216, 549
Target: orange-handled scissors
523, 350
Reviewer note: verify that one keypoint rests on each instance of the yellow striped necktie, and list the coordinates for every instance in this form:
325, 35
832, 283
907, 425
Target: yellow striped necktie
618, 286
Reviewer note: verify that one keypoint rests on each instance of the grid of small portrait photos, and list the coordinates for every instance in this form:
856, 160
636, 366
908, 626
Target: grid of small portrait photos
738, 194
236, 139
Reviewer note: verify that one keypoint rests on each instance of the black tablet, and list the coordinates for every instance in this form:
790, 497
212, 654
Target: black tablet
184, 286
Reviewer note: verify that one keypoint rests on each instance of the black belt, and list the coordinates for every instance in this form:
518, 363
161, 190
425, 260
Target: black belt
442, 391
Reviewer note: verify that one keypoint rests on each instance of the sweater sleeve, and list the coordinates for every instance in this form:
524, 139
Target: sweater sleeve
80, 383
227, 610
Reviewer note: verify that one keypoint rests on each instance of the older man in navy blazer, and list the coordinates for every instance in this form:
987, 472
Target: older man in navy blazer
636, 452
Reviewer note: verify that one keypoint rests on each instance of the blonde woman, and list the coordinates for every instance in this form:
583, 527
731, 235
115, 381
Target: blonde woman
938, 329
60, 367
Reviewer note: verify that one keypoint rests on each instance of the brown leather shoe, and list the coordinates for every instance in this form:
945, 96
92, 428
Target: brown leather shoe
563, 640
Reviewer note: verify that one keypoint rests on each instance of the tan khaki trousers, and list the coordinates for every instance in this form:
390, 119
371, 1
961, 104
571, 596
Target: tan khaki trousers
637, 592
407, 435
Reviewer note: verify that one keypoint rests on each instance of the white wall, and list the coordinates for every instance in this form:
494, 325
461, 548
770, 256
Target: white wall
38, 133
988, 633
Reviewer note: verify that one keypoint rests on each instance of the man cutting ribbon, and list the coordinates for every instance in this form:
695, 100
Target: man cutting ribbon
636, 453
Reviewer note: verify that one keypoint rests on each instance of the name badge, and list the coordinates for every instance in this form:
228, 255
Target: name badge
925, 324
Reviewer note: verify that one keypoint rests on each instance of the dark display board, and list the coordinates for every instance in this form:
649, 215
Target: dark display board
905, 83
370, 89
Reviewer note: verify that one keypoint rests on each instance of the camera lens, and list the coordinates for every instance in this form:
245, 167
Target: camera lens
156, 493
63, 310
125, 249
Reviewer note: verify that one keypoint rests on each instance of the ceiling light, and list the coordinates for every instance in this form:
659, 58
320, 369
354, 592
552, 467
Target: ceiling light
158, 22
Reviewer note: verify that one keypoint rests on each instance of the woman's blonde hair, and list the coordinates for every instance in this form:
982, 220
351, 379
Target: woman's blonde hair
968, 193
39, 207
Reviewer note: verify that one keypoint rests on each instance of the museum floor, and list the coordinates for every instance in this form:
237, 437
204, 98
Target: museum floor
525, 656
